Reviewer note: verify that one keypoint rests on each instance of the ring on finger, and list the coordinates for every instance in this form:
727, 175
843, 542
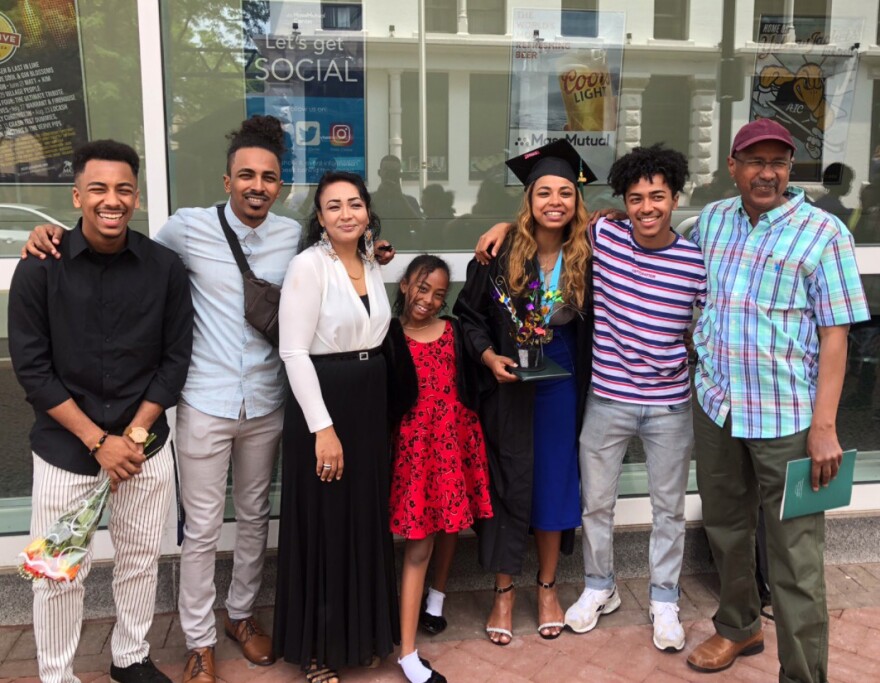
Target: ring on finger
327, 466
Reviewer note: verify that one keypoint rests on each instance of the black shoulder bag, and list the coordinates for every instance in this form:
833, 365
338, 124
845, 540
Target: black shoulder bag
261, 298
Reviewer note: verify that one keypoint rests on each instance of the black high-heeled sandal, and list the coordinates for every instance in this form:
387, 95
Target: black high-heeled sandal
497, 629
550, 624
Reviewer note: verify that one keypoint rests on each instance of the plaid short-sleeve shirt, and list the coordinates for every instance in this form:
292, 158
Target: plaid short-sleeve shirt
769, 288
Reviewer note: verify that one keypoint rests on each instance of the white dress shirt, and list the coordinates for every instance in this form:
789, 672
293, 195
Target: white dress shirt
322, 313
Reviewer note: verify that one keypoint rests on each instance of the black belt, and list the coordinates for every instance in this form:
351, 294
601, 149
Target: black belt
349, 355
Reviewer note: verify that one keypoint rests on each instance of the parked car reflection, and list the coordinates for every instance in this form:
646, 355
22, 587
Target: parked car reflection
16, 223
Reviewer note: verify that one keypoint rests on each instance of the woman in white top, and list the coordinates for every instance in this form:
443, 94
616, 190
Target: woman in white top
336, 598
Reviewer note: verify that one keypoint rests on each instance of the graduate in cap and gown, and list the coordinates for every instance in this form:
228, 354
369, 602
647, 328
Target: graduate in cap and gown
531, 428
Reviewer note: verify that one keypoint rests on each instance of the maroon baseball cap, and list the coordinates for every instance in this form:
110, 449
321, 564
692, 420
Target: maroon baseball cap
758, 131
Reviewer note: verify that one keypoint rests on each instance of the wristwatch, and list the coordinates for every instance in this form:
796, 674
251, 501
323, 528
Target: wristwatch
137, 434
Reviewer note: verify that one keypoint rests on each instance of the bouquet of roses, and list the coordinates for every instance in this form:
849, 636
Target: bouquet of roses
530, 329
59, 553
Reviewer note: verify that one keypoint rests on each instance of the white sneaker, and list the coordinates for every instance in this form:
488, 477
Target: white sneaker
668, 633
583, 615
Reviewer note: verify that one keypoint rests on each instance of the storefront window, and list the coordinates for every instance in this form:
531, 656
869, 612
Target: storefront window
74, 76
502, 77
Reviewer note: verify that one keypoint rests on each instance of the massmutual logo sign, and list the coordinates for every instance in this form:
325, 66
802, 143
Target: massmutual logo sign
9, 39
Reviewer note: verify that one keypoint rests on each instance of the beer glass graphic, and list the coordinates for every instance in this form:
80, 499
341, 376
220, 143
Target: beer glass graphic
587, 93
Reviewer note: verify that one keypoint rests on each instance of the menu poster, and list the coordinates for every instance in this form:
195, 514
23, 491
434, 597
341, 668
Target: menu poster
566, 86
805, 76
43, 110
311, 79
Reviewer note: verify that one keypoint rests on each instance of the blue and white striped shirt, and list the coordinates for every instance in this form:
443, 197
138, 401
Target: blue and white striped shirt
643, 300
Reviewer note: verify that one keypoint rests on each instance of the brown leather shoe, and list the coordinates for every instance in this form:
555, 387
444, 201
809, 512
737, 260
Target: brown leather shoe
717, 653
255, 645
199, 666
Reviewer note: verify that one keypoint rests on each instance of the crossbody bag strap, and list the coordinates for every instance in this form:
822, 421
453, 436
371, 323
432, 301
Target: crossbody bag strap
233, 241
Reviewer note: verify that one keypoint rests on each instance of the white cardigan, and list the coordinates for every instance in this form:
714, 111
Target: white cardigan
322, 313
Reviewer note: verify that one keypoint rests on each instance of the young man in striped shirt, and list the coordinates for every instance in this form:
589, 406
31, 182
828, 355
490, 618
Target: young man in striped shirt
646, 281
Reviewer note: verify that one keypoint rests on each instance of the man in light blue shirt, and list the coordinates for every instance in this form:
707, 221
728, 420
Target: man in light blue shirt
231, 408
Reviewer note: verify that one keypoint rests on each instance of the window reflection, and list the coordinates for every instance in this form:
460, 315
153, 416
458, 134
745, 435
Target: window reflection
341, 16
858, 420
671, 19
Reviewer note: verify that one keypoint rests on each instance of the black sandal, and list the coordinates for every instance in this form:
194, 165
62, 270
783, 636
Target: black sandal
550, 624
497, 629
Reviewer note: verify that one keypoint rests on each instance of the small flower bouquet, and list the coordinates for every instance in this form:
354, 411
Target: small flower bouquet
59, 553
531, 330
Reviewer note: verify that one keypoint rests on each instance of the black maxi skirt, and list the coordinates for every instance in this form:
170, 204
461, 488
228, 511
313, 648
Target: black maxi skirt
336, 595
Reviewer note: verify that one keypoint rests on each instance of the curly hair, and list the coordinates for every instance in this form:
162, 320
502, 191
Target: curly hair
646, 162
312, 234
105, 150
264, 132
417, 270
576, 252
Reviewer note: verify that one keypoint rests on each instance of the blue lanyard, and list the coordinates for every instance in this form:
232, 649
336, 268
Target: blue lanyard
554, 284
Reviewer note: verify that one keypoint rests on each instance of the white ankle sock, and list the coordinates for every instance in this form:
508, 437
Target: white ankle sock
413, 669
434, 603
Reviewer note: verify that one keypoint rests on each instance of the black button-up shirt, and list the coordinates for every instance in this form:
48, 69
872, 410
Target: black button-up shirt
108, 331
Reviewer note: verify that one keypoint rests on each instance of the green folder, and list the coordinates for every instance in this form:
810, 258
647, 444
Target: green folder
799, 499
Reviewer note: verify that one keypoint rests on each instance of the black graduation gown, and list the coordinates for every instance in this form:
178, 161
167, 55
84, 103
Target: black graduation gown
506, 416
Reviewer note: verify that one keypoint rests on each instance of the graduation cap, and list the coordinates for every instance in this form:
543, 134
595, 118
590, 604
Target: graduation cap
557, 158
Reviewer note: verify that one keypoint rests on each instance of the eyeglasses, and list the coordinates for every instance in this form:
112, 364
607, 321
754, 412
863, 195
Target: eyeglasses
758, 165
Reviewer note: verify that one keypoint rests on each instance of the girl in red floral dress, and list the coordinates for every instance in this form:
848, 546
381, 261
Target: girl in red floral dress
440, 479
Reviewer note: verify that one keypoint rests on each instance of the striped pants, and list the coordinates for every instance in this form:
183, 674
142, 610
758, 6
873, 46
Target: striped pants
138, 511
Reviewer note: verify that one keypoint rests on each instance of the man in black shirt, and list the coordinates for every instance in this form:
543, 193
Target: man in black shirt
101, 341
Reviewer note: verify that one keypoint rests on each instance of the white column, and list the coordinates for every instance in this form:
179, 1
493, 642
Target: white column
629, 118
395, 109
788, 18
459, 134
701, 145
152, 87
462, 17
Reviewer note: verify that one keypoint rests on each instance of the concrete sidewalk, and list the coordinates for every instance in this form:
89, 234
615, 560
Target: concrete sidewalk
618, 651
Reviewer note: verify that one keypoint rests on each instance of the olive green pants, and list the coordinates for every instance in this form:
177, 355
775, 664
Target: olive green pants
733, 476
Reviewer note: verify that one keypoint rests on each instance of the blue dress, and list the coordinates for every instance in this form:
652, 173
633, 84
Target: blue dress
556, 491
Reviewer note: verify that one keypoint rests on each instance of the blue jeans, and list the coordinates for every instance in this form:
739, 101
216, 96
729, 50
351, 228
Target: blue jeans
667, 435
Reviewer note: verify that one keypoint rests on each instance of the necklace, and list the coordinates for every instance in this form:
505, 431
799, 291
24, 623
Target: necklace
552, 260
420, 327
353, 277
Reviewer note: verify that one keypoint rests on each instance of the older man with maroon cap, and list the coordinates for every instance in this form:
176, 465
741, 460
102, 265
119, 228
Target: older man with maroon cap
783, 288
